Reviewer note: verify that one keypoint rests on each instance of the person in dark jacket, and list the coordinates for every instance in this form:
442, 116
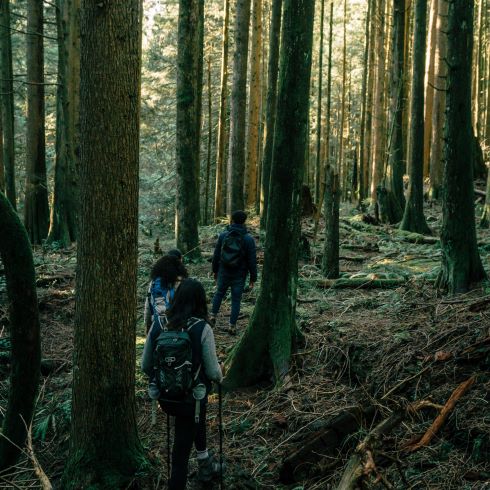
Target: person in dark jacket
234, 257
188, 311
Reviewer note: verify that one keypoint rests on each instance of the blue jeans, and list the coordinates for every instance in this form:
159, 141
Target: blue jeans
237, 284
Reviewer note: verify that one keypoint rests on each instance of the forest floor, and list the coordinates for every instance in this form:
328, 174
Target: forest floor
377, 349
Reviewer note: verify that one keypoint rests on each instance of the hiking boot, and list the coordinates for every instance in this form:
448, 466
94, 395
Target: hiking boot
212, 320
208, 468
232, 329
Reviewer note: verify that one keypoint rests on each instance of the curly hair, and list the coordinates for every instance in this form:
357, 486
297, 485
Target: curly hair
169, 268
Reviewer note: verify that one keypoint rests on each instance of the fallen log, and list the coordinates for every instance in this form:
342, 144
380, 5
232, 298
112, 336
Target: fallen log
324, 443
361, 463
360, 283
441, 418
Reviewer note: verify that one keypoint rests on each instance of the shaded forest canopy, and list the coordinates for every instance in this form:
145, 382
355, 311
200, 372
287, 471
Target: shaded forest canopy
354, 133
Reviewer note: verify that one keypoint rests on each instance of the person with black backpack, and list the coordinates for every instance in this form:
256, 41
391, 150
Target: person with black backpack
180, 359
165, 277
234, 257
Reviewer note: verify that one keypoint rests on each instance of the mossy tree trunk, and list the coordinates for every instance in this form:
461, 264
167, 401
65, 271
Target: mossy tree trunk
16, 255
236, 155
392, 200
36, 208
105, 451
268, 341
413, 216
189, 96
7, 100
64, 213
270, 111
461, 263
219, 201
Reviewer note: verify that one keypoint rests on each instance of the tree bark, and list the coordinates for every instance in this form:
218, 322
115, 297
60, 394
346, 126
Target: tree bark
485, 217
105, 451
236, 156
36, 208
254, 99
438, 111
429, 83
330, 264
413, 216
64, 213
391, 199
189, 94
270, 118
16, 255
268, 341
219, 202
318, 162
378, 137
209, 144
7, 100
363, 160
461, 263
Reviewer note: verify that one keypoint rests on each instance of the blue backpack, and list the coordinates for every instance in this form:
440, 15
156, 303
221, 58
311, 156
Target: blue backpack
160, 298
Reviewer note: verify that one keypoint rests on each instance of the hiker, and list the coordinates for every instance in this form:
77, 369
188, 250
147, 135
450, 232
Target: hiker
166, 275
234, 257
187, 319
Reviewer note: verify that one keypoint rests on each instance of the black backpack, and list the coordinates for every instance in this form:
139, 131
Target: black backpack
172, 362
232, 249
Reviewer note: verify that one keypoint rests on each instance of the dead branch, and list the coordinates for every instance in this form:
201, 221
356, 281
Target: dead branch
43, 479
362, 463
441, 418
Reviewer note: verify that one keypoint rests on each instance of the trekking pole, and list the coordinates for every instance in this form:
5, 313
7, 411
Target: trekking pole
168, 447
220, 417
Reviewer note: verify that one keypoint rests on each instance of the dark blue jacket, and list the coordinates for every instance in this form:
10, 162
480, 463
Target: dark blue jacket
249, 262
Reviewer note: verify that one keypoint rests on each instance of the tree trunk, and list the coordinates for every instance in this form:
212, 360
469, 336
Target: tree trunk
236, 156
254, 106
2, 168
378, 148
368, 160
7, 100
210, 140
64, 213
268, 341
413, 216
189, 93
318, 162
270, 118
219, 203
485, 217
476, 73
363, 161
36, 209
16, 255
391, 199
330, 264
105, 451
342, 165
429, 82
461, 263
438, 111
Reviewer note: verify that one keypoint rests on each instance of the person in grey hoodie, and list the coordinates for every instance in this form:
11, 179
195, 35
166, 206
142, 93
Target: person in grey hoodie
188, 311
